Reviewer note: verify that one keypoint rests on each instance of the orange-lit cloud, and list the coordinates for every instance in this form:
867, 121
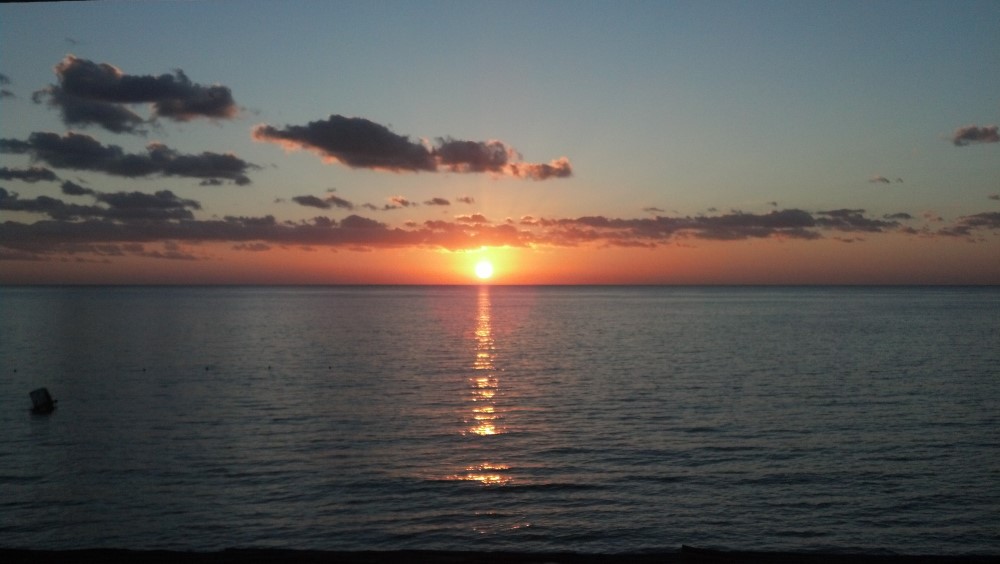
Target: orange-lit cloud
361, 143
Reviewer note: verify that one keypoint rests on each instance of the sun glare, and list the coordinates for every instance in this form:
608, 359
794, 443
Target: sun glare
484, 269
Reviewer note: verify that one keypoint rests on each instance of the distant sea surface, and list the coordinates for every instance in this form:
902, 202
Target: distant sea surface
591, 419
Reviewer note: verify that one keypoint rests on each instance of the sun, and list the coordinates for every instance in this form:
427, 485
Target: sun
484, 269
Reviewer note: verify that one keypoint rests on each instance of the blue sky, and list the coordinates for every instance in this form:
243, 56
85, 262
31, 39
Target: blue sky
663, 108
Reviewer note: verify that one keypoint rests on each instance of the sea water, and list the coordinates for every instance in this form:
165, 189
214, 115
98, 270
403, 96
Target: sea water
599, 419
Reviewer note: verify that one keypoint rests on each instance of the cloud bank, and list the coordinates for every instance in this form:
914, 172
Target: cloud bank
361, 143
123, 218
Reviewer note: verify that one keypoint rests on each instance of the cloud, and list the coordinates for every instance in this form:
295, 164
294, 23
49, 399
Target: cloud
474, 218
5, 93
466, 200
994, 196
402, 202
965, 226
559, 168
329, 202
96, 93
361, 143
82, 152
116, 118
473, 156
118, 206
32, 174
437, 202
879, 179
355, 142
899, 215
852, 220
73, 189
311, 201
974, 134
339, 202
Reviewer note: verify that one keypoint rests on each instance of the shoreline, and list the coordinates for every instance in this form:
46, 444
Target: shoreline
290, 556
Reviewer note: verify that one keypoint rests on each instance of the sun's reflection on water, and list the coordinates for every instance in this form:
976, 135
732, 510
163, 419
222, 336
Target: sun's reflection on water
486, 417
486, 473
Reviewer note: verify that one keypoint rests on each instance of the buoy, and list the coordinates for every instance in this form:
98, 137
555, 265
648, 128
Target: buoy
42, 401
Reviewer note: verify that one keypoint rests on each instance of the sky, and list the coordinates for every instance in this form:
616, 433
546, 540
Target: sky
314, 142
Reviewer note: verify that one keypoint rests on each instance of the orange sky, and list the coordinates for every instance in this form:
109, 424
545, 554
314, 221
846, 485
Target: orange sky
744, 262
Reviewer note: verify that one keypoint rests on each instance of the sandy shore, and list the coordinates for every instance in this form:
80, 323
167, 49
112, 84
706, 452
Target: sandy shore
261, 556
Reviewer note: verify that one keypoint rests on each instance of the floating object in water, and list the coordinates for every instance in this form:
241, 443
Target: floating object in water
42, 401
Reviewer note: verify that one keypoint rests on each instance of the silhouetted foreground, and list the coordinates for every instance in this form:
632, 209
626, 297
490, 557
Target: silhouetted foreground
271, 556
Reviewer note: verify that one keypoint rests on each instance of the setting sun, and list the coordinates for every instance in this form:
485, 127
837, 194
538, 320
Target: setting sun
484, 269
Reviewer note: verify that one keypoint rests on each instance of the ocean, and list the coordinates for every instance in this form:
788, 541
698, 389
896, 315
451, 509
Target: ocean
590, 419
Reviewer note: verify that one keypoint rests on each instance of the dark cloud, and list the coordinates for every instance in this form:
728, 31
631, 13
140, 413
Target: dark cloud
118, 206
653, 209
852, 220
211, 182
82, 152
54, 208
792, 223
339, 202
31, 174
73, 189
82, 112
4, 93
311, 201
967, 225
879, 179
361, 143
96, 93
355, 142
994, 196
974, 134
466, 200
162, 200
437, 202
473, 156
899, 215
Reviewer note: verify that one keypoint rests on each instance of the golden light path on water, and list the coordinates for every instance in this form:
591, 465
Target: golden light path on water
486, 419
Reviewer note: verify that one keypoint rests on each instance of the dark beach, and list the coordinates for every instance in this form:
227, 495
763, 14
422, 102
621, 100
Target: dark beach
685, 555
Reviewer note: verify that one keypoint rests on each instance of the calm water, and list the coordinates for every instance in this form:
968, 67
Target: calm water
585, 419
